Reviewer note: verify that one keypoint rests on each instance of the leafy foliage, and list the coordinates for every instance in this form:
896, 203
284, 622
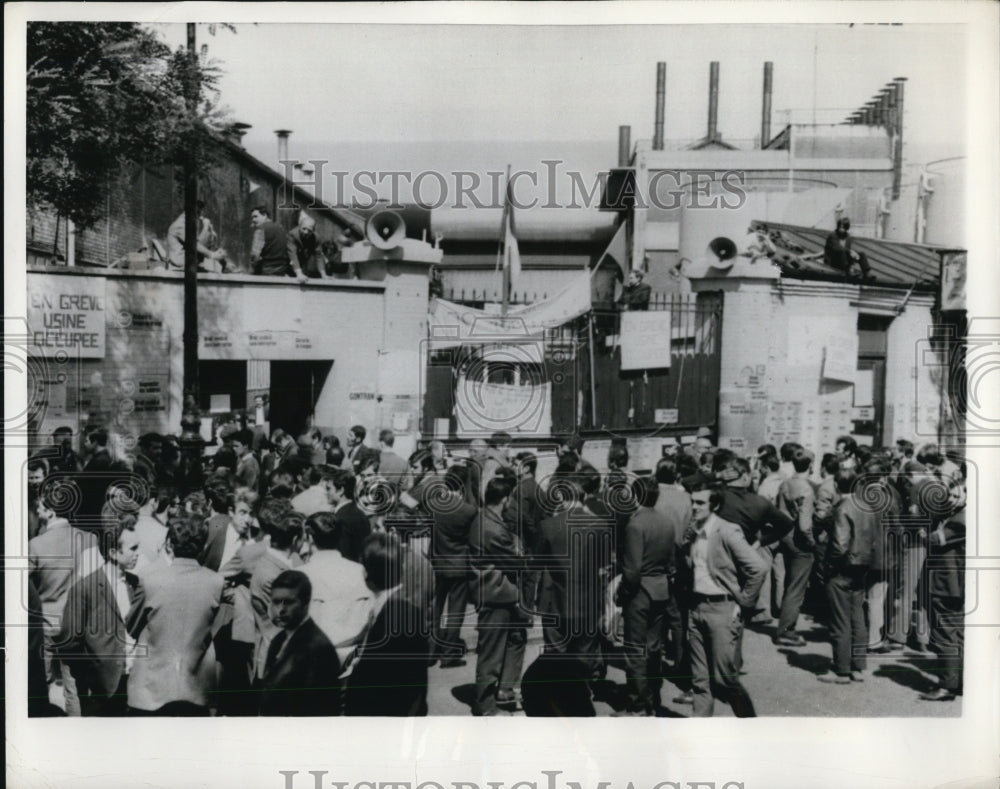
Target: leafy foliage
101, 96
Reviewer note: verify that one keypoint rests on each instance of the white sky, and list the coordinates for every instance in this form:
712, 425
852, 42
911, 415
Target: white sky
336, 83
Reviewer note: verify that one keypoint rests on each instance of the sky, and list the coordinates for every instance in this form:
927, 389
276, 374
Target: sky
367, 94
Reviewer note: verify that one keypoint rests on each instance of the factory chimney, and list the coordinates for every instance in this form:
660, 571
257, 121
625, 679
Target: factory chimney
661, 93
283, 135
624, 145
765, 119
713, 102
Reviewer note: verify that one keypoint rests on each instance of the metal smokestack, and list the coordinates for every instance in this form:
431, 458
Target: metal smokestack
897, 157
661, 94
713, 101
886, 110
283, 135
624, 145
765, 113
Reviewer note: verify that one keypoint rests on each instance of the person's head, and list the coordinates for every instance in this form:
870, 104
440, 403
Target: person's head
307, 225
846, 447
568, 462
477, 449
707, 462
589, 479
457, 477
635, 276
386, 438
340, 485
705, 499
770, 464
715, 460
287, 532
242, 441
956, 496
97, 439
829, 464
151, 445
368, 462
225, 460
219, 493
702, 444
903, 449
325, 529
500, 442
930, 455
845, 479
244, 500
38, 470
862, 454
259, 214
119, 543
421, 462
526, 464
571, 444
62, 435
766, 449
271, 511
497, 492
802, 461
666, 471
735, 473
280, 439
281, 483
291, 593
646, 491
356, 435
382, 560
617, 456
186, 534
843, 226
686, 465
788, 450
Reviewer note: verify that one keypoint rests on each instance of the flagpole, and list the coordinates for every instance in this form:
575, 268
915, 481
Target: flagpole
505, 303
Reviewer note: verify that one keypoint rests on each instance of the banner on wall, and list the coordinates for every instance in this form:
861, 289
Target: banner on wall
66, 315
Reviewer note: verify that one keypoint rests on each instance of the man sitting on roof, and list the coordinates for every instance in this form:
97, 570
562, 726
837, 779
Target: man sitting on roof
837, 253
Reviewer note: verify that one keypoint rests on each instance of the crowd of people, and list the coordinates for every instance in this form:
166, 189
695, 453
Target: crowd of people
284, 576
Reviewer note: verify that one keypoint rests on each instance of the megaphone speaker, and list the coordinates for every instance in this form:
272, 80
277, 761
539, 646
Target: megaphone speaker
385, 230
721, 253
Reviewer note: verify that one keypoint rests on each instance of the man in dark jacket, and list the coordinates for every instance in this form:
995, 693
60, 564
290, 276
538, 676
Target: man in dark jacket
647, 564
301, 668
947, 587
850, 554
453, 520
269, 249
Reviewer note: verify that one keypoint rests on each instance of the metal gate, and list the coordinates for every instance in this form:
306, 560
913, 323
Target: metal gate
674, 399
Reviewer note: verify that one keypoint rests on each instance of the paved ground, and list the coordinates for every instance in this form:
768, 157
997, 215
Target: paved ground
781, 681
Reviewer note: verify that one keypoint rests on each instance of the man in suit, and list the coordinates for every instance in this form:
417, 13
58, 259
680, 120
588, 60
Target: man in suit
247, 467
947, 592
93, 641
727, 576
647, 564
58, 557
453, 520
172, 621
389, 676
390, 465
497, 558
797, 501
355, 443
354, 525
341, 601
674, 504
228, 528
301, 668
573, 546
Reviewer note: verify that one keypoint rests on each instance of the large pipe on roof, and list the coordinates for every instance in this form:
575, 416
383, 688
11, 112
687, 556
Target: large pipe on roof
713, 100
765, 112
661, 95
283, 135
897, 157
624, 145
885, 110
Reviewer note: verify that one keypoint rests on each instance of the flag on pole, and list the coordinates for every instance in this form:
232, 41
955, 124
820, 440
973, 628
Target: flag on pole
511, 253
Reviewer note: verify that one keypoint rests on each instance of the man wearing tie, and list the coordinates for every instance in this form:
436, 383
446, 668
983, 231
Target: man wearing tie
92, 640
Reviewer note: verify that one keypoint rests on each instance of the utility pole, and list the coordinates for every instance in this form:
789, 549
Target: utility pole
191, 234
190, 439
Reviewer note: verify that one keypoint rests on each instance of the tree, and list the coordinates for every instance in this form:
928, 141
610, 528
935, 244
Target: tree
104, 95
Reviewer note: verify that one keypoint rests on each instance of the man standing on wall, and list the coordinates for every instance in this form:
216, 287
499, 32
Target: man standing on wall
269, 249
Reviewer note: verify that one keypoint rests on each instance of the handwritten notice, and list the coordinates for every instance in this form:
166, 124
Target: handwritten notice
645, 340
66, 315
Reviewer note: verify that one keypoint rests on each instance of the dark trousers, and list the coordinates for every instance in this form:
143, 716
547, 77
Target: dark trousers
105, 705
798, 565
643, 645
577, 639
235, 696
503, 635
848, 631
715, 631
675, 621
948, 639
451, 596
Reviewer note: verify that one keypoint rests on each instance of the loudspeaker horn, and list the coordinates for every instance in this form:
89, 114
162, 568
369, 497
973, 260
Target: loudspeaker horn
721, 252
385, 230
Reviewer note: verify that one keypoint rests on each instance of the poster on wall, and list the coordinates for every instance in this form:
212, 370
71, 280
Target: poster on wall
66, 315
645, 340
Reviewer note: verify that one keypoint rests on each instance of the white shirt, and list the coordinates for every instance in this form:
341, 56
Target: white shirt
120, 588
703, 582
341, 601
233, 543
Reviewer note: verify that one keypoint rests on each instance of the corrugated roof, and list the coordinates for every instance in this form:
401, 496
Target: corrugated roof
892, 262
